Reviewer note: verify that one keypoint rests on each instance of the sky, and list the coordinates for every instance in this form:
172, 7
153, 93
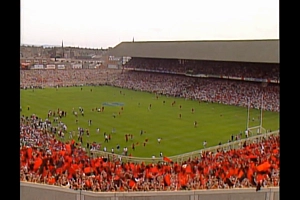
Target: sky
106, 23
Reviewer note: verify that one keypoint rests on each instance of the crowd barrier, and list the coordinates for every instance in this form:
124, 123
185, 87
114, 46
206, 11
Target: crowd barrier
33, 191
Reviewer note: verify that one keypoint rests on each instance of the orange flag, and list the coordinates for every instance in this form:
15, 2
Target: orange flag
263, 167
167, 159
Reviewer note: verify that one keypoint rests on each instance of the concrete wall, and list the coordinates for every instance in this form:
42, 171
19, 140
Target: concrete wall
31, 191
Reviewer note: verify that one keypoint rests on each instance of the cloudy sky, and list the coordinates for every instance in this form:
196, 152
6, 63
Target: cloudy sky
106, 23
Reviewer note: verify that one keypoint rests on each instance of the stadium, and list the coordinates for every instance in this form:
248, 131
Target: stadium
243, 74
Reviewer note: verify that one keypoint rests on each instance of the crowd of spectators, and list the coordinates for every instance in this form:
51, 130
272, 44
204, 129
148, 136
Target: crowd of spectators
230, 92
65, 77
225, 91
46, 160
236, 69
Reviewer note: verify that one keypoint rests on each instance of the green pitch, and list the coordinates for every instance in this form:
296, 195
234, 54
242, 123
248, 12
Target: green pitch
215, 122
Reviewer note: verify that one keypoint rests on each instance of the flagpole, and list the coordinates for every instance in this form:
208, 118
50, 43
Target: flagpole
261, 113
248, 113
261, 110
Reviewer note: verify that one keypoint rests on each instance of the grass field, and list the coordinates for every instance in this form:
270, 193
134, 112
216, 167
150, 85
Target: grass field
216, 122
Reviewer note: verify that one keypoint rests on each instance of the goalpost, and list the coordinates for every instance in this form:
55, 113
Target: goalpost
255, 129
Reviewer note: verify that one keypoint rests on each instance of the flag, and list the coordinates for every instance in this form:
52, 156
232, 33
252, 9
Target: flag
263, 167
167, 159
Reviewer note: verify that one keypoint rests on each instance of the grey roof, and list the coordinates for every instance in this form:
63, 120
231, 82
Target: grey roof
260, 51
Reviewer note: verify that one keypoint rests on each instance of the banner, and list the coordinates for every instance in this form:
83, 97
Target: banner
201, 75
274, 81
110, 66
77, 66
215, 76
60, 66
235, 78
50, 66
37, 66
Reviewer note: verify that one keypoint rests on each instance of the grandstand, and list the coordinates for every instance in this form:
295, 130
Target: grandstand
185, 69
